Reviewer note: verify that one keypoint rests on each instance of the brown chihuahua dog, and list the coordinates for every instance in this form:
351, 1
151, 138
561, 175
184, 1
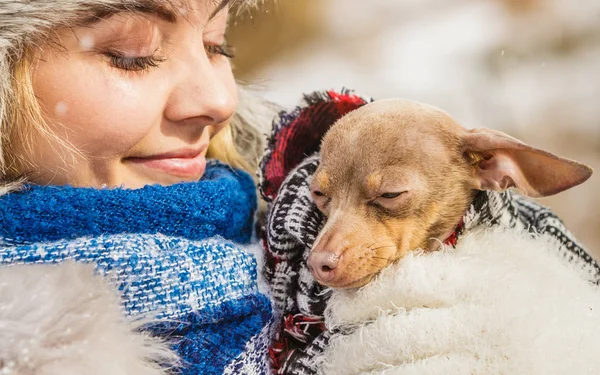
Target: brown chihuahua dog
397, 176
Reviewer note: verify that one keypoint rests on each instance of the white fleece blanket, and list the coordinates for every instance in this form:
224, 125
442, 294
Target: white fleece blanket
496, 304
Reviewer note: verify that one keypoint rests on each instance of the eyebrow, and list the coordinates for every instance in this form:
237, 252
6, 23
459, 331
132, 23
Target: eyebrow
158, 10
152, 8
222, 4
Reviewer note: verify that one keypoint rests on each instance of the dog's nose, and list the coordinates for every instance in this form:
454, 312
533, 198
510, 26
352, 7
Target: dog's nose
323, 264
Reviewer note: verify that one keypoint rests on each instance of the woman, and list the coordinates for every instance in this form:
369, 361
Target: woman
109, 110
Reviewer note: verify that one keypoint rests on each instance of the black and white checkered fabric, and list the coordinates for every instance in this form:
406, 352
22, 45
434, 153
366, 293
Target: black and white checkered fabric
293, 225
294, 222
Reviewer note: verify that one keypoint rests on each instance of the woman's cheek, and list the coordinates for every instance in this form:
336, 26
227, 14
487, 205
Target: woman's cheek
119, 110
91, 105
131, 110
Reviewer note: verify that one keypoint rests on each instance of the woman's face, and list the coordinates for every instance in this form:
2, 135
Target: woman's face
134, 98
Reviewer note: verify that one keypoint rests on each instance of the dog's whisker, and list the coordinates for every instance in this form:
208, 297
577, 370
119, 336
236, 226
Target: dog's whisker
384, 241
380, 247
382, 258
373, 243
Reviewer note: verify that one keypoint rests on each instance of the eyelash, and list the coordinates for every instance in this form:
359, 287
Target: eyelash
137, 64
134, 64
220, 49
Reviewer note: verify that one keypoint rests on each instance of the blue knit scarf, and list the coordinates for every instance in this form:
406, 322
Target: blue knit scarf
175, 251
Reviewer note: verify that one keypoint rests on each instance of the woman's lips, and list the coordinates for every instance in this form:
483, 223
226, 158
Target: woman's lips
185, 164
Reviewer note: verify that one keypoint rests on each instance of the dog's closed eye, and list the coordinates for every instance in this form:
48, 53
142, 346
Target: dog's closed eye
390, 200
391, 195
318, 193
321, 200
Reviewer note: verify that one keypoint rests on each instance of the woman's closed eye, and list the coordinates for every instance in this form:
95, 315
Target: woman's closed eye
143, 63
134, 63
216, 50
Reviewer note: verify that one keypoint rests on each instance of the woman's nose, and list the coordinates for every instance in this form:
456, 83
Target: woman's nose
206, 95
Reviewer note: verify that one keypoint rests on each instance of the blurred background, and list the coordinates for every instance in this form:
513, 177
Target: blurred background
530, 68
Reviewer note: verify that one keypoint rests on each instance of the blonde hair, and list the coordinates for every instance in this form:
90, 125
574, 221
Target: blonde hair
24, 120
22, 117
239, 144
21, 112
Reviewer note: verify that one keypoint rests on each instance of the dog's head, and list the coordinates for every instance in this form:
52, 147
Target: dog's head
397, 175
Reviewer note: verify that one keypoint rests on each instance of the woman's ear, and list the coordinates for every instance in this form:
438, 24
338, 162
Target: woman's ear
502, 162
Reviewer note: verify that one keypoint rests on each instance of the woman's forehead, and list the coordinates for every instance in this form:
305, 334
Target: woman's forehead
168, 10
213, 6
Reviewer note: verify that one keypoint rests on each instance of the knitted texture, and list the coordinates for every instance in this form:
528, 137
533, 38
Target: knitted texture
175, 252
222, 205
294, 222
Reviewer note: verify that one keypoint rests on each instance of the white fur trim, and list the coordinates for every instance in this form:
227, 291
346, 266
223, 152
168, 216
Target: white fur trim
63, 320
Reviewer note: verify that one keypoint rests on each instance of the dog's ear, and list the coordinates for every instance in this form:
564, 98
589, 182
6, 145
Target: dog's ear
501, 162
